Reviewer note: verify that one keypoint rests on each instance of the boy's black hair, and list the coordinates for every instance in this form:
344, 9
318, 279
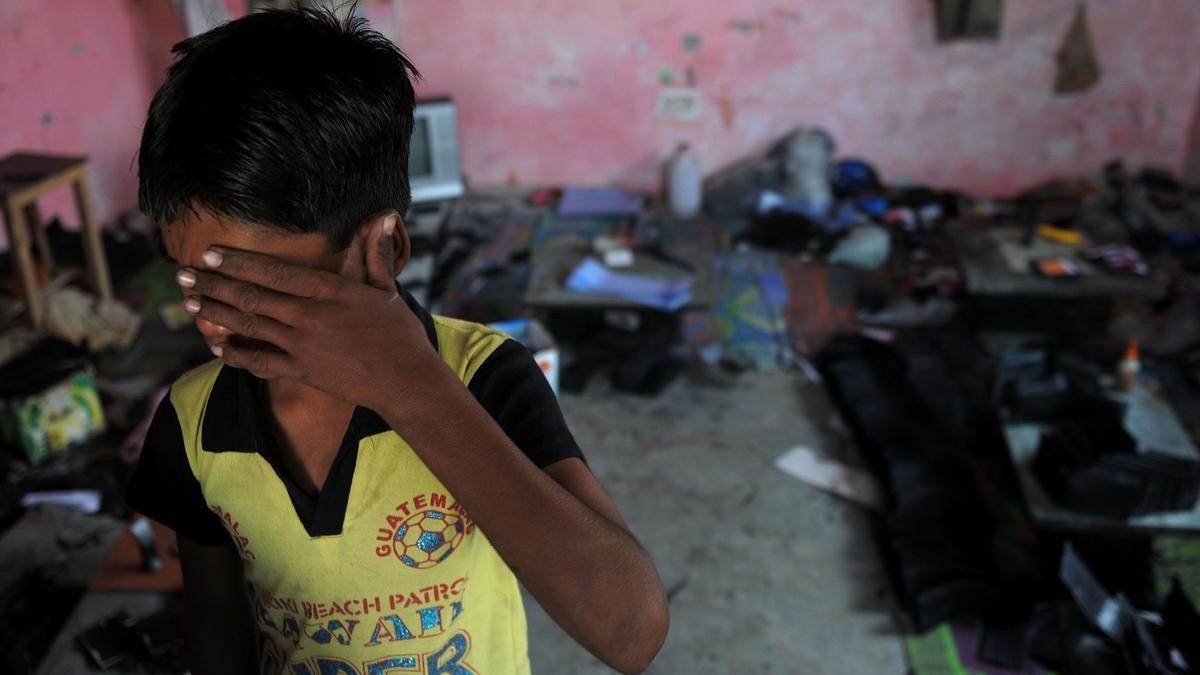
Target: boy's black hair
293, 119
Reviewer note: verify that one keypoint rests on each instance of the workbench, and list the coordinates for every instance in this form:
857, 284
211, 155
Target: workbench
994, 261
555, 261
1153, 424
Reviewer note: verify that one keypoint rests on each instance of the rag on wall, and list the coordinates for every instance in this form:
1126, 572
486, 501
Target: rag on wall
1078, 68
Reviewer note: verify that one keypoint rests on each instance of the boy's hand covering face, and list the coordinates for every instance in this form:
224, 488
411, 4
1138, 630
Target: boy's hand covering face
336, 332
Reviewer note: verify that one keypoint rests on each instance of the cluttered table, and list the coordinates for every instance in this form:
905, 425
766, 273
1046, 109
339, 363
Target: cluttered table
558, 259
1153, 424
997, 260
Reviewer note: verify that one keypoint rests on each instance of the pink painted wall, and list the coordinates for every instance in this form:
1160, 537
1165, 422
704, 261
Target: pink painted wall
76, 77
565, 91
551, 91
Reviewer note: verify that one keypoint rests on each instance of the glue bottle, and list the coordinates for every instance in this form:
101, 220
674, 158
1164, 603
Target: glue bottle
684, 191
1128, 367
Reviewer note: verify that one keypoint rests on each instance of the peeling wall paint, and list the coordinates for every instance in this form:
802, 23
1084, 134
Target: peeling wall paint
978, 116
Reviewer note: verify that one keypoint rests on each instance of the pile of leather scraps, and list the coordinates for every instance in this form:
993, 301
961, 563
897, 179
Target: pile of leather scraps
1114, 633
1092, 466
82, 318
921, 410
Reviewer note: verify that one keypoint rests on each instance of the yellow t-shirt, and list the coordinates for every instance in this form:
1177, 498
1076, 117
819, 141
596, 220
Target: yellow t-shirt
383, 572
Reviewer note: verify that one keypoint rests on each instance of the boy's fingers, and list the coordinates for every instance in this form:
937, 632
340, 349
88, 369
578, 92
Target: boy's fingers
263, 364
241, 295
246, 324
272, 273
381, 253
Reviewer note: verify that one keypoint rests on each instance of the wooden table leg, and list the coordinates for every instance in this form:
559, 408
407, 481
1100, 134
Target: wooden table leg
93, 245
18, 235
34, 220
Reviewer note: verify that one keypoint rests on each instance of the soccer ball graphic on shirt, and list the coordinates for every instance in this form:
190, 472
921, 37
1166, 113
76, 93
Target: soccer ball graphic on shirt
426, 538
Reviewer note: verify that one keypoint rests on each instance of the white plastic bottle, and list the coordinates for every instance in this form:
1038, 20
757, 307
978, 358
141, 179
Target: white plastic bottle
684, 190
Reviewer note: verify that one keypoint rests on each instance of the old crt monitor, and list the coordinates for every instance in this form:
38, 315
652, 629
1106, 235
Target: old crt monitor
433, 170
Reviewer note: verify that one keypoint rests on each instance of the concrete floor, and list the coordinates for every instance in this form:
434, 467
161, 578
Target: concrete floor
773, 576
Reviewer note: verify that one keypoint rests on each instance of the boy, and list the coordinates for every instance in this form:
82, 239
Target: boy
356, 485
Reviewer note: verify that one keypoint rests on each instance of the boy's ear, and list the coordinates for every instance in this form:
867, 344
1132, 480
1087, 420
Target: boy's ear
375, 256
401, 246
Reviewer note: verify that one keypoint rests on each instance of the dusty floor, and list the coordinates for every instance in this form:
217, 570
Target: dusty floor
768, 574
771, 575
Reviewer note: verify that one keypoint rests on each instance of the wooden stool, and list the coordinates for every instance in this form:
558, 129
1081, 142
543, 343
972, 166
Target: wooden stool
24, 178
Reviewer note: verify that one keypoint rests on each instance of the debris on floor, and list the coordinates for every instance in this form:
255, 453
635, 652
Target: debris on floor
79, 318
854, 484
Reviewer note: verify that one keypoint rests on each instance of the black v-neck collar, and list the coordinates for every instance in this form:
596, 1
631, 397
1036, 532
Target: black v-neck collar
323, 514
235, 420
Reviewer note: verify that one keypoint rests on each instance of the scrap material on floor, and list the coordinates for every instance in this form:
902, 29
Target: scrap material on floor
895, 406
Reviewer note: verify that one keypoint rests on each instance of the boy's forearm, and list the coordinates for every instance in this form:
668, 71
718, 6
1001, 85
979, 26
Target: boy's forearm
216, 646
219, 628
587, 571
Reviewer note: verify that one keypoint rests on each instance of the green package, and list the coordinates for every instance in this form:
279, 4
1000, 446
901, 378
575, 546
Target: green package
54, 419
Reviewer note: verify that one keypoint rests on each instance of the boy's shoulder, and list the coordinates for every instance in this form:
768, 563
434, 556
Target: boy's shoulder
466, 345
195, 383
189, 396
463, 326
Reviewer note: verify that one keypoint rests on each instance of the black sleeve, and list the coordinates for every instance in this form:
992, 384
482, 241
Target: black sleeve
164, 488
511, 387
